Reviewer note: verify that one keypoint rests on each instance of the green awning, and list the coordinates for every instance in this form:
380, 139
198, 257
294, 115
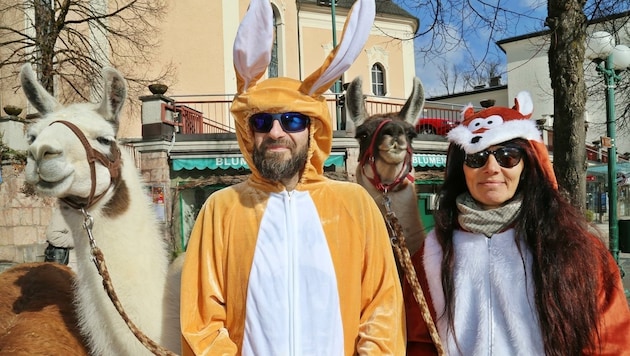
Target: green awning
429, 160
622, 167
237, 162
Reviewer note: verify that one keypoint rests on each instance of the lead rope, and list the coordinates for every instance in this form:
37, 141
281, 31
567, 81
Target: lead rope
402, 253
99, 261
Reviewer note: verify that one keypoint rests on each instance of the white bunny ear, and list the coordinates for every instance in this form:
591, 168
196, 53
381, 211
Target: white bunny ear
253, 43
355, 33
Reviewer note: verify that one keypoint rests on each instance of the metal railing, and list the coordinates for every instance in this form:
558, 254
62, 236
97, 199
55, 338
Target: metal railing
211, 113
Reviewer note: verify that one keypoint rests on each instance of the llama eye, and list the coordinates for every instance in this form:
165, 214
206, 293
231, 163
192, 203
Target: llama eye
30, 139
104, 141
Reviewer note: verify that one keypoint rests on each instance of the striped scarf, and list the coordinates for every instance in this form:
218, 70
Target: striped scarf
472, 217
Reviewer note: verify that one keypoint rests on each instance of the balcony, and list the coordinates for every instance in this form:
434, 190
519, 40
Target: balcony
204, 114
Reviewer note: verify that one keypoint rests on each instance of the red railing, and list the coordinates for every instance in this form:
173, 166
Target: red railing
211, 113
191, 120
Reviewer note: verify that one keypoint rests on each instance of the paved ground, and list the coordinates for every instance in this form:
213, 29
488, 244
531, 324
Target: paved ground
624, 261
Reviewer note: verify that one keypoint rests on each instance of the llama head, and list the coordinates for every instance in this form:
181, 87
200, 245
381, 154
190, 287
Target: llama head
389, 135
57, 163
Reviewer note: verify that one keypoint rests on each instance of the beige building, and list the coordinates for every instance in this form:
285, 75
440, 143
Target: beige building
197, 37
183, 139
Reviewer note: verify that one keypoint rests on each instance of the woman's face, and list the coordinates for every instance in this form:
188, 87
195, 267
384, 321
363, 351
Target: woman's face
492, 184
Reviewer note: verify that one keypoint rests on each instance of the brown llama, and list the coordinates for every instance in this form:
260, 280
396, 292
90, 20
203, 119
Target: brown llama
385, 158
27, 309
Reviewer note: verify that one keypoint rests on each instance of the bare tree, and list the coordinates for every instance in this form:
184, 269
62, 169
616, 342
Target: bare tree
456, 77
449, 76
568, 23
69, 41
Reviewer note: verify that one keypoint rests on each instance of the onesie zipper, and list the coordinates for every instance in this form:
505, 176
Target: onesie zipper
294, 283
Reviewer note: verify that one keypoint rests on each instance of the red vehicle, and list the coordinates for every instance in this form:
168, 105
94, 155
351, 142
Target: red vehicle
434, 126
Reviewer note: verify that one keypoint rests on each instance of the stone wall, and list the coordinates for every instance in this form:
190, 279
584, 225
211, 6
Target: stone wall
155, 171
24, 217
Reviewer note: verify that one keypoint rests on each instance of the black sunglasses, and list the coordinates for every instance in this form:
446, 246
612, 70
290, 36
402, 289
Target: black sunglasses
507, 157
290, 121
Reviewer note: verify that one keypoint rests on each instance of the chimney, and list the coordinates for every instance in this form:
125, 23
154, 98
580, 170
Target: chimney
495, 81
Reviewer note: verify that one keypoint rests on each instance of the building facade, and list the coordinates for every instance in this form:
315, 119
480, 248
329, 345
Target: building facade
183, 139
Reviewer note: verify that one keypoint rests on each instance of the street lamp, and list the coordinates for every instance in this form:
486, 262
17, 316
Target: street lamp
611, 60
337, 84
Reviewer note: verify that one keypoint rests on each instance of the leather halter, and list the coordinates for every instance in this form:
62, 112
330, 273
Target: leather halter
113, 164
405, 172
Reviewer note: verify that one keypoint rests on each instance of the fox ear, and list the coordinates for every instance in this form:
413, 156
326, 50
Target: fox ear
253, 43
523, 103
355, 33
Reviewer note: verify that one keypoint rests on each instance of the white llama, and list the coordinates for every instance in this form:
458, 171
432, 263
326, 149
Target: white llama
385, 158
124, 226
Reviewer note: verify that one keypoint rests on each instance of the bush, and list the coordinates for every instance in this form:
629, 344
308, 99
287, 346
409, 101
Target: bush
589, 215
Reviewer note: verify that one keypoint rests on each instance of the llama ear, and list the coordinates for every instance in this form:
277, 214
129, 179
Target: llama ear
414, 104
355, 102
355, 34
35, 92
252, 45
114, 94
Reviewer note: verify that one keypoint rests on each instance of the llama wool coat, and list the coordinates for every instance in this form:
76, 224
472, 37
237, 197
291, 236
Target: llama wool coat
307, 272
495, 312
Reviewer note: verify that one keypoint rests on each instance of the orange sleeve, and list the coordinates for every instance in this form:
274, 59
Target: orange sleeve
614, 322
202, 306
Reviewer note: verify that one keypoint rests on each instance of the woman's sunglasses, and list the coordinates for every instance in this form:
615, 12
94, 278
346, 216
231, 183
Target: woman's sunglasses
507, 157
290, 121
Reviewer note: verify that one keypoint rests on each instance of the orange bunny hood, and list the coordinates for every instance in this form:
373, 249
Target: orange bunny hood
277, 95
252, 55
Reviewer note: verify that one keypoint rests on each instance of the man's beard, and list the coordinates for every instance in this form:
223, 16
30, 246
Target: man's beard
275, 168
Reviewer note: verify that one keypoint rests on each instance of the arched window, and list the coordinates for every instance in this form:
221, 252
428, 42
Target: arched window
378, 80
273, 65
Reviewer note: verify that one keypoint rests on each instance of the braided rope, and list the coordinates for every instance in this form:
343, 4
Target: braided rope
404, 258
151, 345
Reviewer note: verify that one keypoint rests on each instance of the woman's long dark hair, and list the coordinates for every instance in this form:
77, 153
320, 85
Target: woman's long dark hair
567, 256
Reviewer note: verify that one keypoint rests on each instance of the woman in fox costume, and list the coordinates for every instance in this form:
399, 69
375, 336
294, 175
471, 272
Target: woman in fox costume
512, 268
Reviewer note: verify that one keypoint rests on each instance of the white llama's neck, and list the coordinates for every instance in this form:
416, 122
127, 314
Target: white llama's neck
137, 260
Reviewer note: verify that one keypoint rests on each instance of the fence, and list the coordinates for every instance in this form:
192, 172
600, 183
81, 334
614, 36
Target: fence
211, 113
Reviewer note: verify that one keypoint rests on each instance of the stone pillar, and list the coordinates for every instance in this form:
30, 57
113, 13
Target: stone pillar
158, 117
13, 132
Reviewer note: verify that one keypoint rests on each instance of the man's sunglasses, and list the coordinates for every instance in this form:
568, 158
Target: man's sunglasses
290, 121
507, 157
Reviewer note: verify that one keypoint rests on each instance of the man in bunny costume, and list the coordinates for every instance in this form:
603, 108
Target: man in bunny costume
290, 262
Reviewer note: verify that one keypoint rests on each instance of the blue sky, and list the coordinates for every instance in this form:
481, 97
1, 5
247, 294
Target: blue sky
479, 38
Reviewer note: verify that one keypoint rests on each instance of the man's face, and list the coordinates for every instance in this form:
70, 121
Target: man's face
280, 155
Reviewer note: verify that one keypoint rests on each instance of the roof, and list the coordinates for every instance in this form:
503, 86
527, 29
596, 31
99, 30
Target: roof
465, 93
546, 32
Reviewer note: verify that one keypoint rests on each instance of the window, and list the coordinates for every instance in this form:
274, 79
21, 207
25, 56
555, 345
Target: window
378, 80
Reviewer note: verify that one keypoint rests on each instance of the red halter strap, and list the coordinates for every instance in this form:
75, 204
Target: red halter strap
405, 172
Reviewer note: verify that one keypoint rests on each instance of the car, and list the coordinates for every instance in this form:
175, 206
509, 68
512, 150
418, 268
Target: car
435, 126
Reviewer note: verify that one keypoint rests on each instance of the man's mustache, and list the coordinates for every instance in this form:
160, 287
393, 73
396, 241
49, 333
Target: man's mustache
283, 142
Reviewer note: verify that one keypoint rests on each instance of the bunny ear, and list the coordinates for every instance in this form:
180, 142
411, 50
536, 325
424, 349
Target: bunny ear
355, 34
253, 43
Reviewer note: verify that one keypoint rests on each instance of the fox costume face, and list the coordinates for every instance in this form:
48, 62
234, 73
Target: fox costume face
494, 125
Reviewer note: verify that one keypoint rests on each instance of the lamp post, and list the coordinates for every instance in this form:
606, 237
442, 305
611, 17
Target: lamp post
611, 60
337, 84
